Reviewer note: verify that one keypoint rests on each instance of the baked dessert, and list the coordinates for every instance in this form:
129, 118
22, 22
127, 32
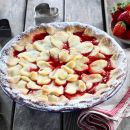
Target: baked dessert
60, 66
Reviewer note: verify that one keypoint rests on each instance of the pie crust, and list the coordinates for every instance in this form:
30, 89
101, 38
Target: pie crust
62, 66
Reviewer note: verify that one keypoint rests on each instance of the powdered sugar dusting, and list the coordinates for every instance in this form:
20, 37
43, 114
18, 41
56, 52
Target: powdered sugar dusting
74, 104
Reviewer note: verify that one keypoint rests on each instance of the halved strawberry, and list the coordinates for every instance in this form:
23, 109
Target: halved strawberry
125, 16
119, 28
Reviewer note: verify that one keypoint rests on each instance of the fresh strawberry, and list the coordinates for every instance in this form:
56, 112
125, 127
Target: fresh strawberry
128, 34
117, 10
125, 16
127, 7
116, 14
119, 28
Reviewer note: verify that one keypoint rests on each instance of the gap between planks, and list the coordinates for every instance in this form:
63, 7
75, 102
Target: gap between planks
14, 103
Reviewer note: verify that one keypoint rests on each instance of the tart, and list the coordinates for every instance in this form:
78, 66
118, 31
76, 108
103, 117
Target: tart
61, 66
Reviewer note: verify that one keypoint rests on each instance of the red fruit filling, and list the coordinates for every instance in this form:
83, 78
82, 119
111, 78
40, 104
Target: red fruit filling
55, 63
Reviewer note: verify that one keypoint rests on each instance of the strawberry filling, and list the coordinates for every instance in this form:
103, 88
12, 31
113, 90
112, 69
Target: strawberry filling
15, 52
56, 63
84, 37
39, 36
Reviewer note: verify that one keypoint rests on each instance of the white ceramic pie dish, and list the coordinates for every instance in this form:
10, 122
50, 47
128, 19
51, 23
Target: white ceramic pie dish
78, 104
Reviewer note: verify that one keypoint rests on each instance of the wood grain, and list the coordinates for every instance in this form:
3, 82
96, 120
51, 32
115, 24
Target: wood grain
84, 11
33, 3
26, 118
29, 119
14, 14
13, 11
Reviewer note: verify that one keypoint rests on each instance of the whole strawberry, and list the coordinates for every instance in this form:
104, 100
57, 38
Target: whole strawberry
119, 29
117, 10
127, 34
127, 7
125, 16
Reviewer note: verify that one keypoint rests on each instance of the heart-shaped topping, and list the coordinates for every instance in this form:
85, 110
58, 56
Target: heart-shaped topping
98, 66
62, 65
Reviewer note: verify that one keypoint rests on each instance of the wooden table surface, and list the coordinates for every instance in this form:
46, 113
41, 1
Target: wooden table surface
21, 15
